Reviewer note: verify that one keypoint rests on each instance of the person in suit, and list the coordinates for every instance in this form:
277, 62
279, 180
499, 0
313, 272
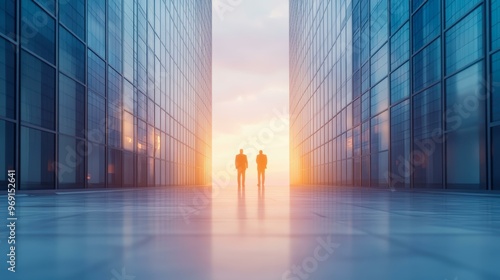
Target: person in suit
261, 167
241, 164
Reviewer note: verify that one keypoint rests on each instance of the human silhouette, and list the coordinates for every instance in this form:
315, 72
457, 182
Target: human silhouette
241, 164
261, 167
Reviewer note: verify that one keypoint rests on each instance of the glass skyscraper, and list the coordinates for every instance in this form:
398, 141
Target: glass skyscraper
112, 93
395, 93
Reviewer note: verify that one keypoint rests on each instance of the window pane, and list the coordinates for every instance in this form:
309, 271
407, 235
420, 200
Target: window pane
7, 150
96, 166
380, 97
495, 152
128, 170
400, 47
71, 163
457, 8
72, 15
400, 10
426, 24
427, 66
378, 23
115, 34
128, 131
380, 132
50, 5
37, 92
8, 18
128, 40
71, 107
114, 108
464, 42
400, 83
427, 132
96, 73
379, 65
379, 169
38, 31
115, 172
400, 145
96, 33
7, 79
495, 87
37, 159
495, 24
96, 118
71, 55
465, 126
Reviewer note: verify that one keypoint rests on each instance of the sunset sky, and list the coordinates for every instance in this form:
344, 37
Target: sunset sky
250, 87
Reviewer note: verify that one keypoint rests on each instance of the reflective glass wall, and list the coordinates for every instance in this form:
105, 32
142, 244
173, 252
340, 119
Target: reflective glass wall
395, 93
97, 94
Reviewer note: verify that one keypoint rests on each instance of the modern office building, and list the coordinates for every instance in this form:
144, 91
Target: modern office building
112, 93
395, 93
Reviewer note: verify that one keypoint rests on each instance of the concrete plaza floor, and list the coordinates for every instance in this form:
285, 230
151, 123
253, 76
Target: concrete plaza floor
277, 232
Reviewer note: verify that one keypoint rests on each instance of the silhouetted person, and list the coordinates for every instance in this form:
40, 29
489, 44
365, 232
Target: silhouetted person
261, 167
241, 164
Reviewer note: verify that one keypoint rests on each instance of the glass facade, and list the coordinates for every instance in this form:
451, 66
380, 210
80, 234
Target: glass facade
97, 94
395, 93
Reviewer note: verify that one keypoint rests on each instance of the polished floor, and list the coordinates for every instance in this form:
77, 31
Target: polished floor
272, 233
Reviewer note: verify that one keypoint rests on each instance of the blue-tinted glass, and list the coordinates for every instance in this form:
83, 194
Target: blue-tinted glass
8, 18
400, 10
72, 15
96, 166
37, 92
142, 137
379, 65
495, 24
400, 83
114, 108
128, 96
115, 34
7, 79
380, 97
365, 138
71, 107
380, 132
365, 11
115, 170
427, 157
495, 154
400, 47
128, 40
400, 144
96, 110
71, 163
464, 41
356, 20
37, 159
71, 55
38, 31
457, 8
365, 77
7, 150
365, 106
378, 24
96, 32
465, 120
50, 5
417, 3
142, 105
356, 84
495, 87
96, 73
365, 43
427, 66
426, 24
379, 169
129, 170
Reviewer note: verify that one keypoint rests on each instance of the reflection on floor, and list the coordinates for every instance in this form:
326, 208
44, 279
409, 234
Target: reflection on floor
272, 233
